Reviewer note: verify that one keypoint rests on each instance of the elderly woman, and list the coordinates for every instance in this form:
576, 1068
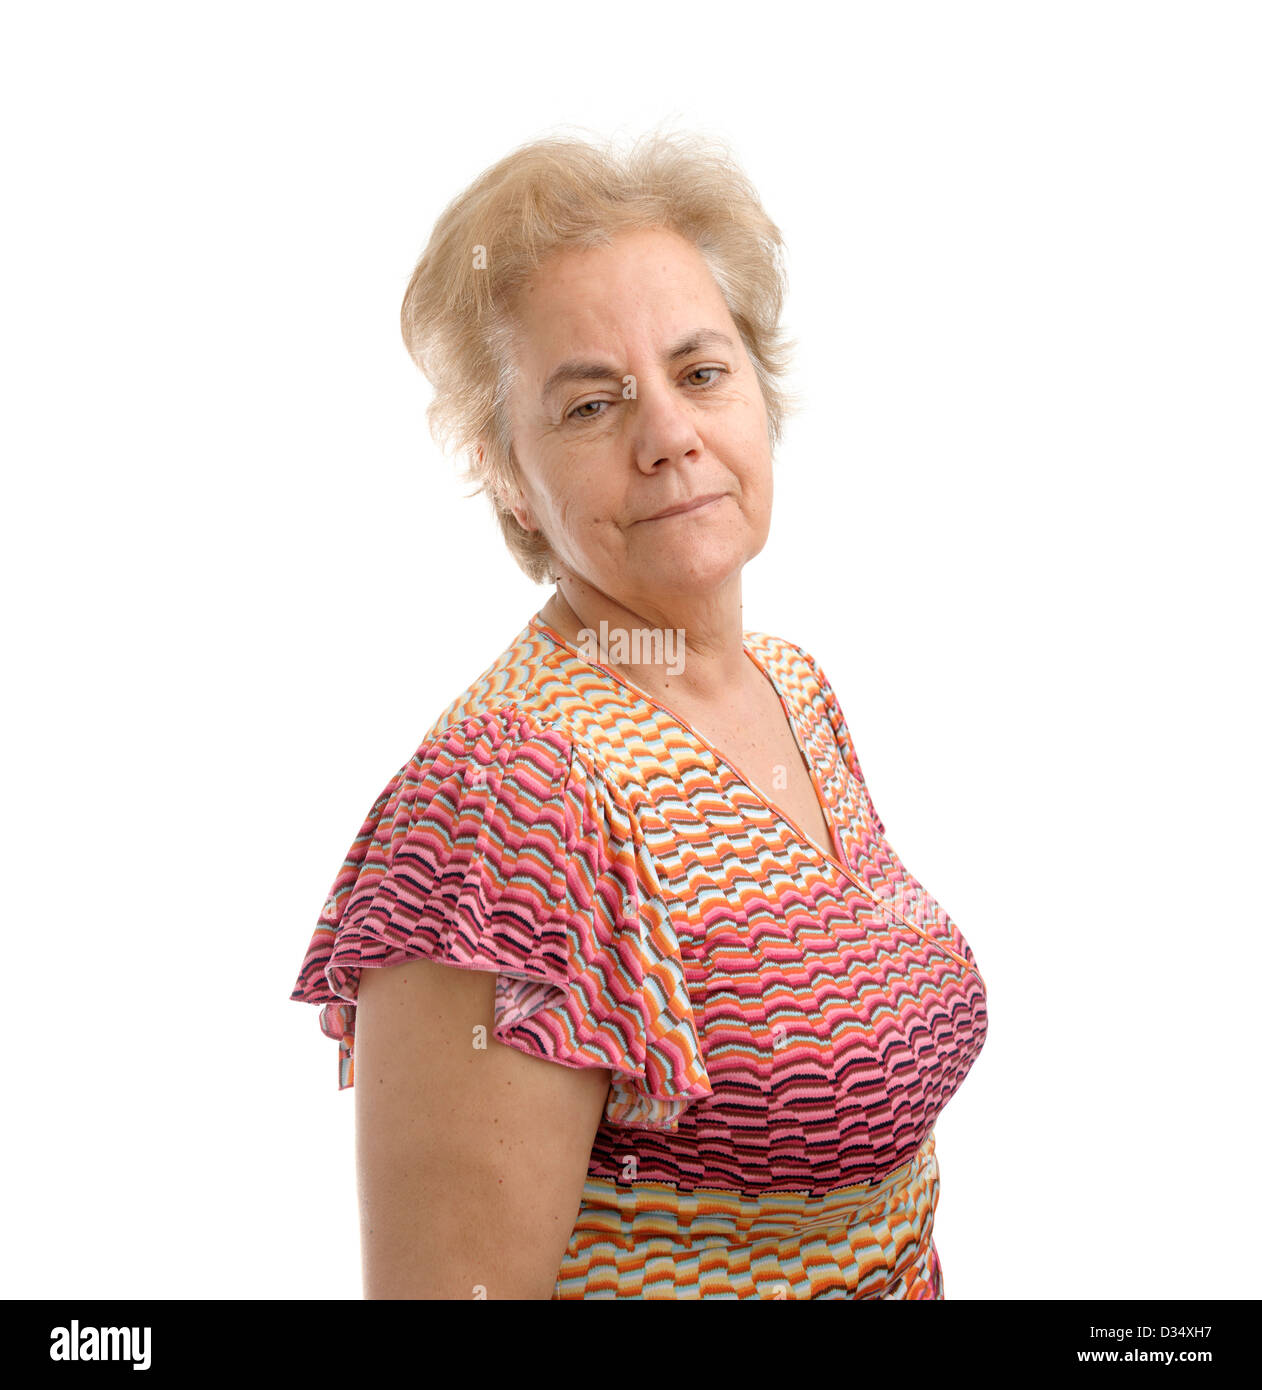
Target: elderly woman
666, 1016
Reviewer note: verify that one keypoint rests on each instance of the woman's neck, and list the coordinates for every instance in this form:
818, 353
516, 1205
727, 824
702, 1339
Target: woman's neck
681, 652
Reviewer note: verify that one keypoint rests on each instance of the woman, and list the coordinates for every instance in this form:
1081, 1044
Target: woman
667, 1016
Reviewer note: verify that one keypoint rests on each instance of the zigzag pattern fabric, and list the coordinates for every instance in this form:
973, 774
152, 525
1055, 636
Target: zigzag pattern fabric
782, 1026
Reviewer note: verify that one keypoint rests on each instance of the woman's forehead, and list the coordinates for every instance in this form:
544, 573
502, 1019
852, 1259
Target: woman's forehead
650, 291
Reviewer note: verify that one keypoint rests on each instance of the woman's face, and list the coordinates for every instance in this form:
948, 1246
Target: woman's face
634, 397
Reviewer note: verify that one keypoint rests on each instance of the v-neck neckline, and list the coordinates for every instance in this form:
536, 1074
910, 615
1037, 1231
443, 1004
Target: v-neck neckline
538, 624
825, 809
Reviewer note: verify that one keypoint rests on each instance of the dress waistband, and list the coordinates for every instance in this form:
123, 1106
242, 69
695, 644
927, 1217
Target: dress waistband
659, 1210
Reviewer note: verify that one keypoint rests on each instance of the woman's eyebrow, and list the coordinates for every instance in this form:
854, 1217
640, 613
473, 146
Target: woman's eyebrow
584, 369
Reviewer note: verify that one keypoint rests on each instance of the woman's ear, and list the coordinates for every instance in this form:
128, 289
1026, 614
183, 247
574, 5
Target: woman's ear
509, 496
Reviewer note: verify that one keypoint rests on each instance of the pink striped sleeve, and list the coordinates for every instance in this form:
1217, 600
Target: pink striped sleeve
497, 848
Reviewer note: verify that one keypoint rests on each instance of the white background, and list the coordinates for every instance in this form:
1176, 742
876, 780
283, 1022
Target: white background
1015, 521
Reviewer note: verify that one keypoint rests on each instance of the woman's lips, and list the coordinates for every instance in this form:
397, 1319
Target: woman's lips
682, 507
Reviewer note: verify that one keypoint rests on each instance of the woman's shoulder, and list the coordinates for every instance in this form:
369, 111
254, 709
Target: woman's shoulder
792, 666
520, 695
520, 708
801, 679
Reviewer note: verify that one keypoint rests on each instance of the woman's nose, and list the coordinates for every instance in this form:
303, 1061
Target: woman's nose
663, 426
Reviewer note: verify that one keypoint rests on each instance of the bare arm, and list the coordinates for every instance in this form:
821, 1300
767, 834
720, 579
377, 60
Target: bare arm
471, 1162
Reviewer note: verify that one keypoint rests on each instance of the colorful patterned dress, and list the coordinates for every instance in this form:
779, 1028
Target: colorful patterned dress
783, 1027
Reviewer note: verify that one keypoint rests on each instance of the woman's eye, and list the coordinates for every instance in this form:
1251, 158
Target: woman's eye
593, 410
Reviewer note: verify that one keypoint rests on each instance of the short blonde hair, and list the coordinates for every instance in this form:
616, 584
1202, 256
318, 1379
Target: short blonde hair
567, 192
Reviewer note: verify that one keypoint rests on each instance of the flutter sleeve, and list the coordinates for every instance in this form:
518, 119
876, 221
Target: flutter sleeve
498, 847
